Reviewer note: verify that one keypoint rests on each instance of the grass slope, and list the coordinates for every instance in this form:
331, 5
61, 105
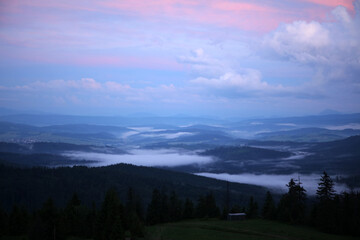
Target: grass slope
244, 230
224, 230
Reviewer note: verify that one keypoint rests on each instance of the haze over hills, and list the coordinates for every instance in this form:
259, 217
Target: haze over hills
332, 122
308, 135
281, 146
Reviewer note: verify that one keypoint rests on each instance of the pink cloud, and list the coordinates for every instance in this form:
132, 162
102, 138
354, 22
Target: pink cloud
128, 61
255, 16
334, 3
241, 6
220, 13
66, 32
146, 62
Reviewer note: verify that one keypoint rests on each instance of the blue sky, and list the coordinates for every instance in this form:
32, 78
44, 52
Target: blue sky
221, 58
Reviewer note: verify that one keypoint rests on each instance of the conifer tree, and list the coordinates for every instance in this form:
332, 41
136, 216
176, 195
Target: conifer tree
154, 209
325, 191
213, 210
133, 221
201, 208
252, 211
109, 222
325, 215
292, 204
3, 222
206, 207
46, 224
269, 210
175, 207
18, 221
75, 217
188, 209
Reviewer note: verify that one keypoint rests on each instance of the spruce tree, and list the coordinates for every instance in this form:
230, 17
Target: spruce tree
18, 221
201, 208
75, 217
325, 215
325, 190
3, 222
154, 209
292, 204
109, 221
45, 224
175, 207
269, 210
212, 210
252, 211
188, 209
206, 207
132, 219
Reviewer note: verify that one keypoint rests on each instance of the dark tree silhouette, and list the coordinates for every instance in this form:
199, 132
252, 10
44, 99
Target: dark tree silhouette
3, 222
325, 191
292, 204
18, 221
188, 212
154, 209
75, 217
324, 214
175, 207
46, 223
253, 208
109, 221
132, 215
206, 207
269, 209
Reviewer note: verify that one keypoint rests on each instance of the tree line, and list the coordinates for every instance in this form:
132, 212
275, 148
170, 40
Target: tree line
330, 212
113, 219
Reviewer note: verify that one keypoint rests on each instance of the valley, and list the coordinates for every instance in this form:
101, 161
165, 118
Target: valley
196, 146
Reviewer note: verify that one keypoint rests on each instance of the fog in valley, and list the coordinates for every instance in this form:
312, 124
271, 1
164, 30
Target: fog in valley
139, 157
172, 158
275, 182
280, 149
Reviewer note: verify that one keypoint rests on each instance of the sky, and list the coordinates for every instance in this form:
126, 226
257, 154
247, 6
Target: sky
167, 57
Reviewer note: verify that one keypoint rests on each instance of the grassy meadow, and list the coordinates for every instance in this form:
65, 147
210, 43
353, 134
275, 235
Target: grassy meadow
244, 230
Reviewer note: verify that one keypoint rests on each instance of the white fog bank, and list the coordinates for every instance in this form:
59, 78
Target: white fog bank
274, 182
149, 158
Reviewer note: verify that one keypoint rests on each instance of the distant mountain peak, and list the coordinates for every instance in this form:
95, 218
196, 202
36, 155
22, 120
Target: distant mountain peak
329, 112
142, 115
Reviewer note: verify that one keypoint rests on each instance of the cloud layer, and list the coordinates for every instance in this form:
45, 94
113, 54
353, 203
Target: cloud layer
171, 56
333, 47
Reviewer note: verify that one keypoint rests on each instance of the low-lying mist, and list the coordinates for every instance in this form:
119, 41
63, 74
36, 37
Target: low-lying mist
149, 158
275, 182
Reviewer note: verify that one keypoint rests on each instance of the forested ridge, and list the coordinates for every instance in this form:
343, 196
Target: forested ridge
30, 187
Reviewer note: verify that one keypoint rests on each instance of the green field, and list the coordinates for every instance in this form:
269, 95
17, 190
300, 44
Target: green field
224, 230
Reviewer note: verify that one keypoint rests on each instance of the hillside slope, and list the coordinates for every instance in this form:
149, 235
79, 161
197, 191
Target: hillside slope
32, 186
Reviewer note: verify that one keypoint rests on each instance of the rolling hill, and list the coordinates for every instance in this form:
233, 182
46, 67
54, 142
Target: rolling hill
307, 135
